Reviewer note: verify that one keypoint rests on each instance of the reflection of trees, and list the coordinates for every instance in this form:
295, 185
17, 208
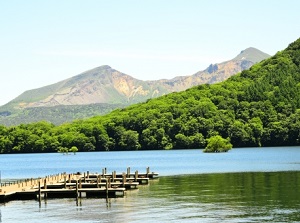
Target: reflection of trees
257, 189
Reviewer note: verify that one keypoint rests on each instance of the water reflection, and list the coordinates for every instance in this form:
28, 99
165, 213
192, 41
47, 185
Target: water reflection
228, 197
255, 197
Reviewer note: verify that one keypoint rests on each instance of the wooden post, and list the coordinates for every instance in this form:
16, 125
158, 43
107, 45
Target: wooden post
136, 175
65, 181
88, 174
106, 187
109, 182
76, 189
69, 178
84, 176
128, 172
80, 185
105, 170
147, 171
98, 181
123, 180
40, 193
113, 176
45, 186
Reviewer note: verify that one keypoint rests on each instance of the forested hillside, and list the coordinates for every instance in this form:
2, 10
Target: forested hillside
102, 89
257, 107
57, 115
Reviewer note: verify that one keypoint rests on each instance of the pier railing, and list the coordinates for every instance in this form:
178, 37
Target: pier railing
14, 182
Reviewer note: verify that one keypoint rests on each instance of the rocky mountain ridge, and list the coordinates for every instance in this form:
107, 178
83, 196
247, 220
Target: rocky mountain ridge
106, 85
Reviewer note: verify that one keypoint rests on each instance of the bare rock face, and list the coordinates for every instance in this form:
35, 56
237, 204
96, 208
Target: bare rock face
105, 85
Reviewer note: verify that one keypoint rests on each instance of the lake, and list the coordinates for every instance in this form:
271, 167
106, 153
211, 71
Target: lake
243, 185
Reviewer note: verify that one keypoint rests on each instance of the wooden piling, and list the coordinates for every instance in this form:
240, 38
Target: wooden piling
113, 176
76, 189
128, 172
40, 193
106, 187
100, 178
123, 180
45, 186
109, 182
65, 181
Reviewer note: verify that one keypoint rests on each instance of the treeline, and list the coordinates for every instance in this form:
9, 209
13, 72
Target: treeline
258, 107
56, 114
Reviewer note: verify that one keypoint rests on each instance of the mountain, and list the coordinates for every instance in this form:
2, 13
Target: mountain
105, 85
218, 72
256, 107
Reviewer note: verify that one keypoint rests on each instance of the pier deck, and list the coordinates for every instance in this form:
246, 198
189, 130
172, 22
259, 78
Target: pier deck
74, 185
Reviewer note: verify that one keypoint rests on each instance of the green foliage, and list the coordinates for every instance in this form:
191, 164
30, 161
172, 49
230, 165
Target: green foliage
257, 107
56, 115
73, 149
63, 150
216, 144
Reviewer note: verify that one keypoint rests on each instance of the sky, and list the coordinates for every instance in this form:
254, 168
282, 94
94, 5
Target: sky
46, 41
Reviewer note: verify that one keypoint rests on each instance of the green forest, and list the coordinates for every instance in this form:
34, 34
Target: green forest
57, 115
257, 107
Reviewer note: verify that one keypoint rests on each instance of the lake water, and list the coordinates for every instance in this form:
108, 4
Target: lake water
243, 185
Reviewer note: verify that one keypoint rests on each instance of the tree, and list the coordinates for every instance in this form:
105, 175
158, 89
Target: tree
63, 150
217, 144
182, 141
73, 149
89, 147
129, 141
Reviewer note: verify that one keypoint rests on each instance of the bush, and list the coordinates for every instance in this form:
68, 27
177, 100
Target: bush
217, 144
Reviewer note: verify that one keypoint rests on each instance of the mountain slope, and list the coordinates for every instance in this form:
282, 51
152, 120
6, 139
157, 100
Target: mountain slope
219, 72
105, 85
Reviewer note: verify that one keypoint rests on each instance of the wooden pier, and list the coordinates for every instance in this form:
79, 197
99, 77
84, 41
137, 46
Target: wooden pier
75, 185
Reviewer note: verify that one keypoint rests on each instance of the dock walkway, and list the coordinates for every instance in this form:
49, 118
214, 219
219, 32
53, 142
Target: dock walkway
75, 185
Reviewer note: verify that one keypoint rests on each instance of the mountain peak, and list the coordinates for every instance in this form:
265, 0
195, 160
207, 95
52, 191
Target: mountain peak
252, 54
104, 67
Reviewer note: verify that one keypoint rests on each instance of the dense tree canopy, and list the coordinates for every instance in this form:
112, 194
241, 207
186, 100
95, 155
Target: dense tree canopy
257, 107
216, 144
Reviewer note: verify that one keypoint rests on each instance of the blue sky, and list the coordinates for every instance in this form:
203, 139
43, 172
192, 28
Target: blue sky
46, 41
